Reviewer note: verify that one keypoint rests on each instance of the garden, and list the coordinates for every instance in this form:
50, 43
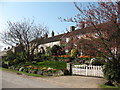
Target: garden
47, 64
50, 64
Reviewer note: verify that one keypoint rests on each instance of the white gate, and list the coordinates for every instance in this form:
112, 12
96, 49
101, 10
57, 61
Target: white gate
87, 70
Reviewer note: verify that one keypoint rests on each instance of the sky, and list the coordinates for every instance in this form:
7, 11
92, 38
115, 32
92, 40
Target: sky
44, 13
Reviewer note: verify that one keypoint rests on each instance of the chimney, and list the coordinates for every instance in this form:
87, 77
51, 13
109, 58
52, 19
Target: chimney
17, 44
46, 35
52, 34
82, 25
8, 47
72, 28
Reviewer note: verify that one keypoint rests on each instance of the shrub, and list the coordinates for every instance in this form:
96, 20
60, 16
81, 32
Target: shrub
21, 57
57, 50
14, 58
4, 65
48, 51
112, 71
42, 57
73, 52
98, 62
9, 58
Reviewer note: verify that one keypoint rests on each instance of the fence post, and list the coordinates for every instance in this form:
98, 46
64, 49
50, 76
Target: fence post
94, 70
69, 68
86, 69
99, 74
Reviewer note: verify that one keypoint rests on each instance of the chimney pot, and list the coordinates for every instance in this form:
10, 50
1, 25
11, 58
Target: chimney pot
82, 25
8, 47
17, 44
72, 28
52, 34
46, 35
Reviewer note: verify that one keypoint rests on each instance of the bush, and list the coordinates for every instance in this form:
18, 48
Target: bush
21, 57
9, 58
112, 71
42, 57
48, 51
74, 53
14, 58
98, 62
57, 50
4, 65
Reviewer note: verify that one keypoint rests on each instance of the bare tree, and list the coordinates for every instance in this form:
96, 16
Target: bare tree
25, 33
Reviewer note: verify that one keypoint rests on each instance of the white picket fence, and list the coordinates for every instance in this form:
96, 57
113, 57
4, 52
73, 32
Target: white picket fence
87, 70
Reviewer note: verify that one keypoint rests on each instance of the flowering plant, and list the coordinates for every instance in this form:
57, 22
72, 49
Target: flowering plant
67, 61
84, 56
34, 68
29, 66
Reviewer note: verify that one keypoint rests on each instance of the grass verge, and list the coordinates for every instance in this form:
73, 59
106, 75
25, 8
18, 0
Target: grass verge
29, 74
107, 86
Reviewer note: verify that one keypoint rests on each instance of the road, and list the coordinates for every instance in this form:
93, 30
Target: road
12, 80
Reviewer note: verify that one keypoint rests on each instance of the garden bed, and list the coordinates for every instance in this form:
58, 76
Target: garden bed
46, 68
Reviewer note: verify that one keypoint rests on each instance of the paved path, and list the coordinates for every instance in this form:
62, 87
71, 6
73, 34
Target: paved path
12, 80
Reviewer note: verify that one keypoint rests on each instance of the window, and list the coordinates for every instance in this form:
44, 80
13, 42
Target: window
67, 40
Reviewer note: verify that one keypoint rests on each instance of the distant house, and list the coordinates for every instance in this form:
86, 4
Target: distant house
56, 40
17, 48
4, 52
82, 32
49, 41
44, 42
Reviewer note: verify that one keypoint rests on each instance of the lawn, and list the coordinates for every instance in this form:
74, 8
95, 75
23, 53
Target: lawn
29, 74
107, 86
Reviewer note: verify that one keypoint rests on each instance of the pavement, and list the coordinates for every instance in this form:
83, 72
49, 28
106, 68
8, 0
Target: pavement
12, 80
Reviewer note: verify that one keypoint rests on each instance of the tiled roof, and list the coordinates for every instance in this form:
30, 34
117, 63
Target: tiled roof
68, 34
80, 31
52, 39
58, 37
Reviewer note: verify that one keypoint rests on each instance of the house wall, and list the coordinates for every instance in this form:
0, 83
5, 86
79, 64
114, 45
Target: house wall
51, 44
84, 36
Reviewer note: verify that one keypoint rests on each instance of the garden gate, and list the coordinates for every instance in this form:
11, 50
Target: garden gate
87, 70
